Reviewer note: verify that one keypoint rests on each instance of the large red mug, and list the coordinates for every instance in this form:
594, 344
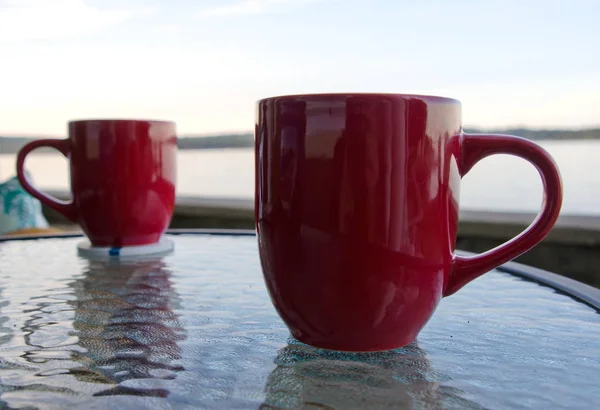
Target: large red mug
357, 199
123, 176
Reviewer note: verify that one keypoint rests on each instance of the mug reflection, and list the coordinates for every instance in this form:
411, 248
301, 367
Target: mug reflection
307, 377
126, 325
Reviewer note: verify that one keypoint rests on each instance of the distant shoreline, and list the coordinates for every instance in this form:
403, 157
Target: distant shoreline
11, 145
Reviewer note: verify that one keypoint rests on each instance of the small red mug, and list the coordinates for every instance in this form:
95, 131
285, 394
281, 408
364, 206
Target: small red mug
123, 175
357, 202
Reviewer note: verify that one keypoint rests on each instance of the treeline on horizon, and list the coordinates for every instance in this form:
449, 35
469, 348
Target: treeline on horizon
11, 145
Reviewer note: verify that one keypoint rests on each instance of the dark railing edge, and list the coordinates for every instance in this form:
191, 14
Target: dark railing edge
570, 287
584, 293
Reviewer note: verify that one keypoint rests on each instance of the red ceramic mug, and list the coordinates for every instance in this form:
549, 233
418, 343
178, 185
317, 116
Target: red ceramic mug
357, 200
123, 176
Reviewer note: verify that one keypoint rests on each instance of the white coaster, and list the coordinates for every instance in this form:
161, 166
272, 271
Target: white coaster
160, 248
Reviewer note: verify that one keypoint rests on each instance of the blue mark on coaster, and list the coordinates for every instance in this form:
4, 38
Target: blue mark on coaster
114, 251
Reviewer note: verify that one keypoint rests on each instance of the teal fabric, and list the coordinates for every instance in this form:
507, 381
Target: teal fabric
19, 210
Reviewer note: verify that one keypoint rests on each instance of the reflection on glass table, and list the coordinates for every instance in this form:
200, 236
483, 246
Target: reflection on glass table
196, 329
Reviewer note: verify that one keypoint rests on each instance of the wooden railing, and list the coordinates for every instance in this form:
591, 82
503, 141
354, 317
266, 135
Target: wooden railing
571, 249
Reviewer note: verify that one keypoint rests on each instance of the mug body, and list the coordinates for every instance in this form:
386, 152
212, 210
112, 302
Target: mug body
357, 200
123, 175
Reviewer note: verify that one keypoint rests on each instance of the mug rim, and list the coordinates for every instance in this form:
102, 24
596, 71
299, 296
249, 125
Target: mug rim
117, 120
341, 95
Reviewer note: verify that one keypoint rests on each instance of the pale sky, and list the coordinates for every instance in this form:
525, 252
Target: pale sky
203, 64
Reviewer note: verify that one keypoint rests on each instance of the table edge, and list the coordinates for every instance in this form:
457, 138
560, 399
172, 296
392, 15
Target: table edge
579, 291
79, 234
582, 292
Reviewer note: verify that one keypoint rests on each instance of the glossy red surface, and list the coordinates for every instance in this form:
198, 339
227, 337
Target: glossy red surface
357, 199
123, 175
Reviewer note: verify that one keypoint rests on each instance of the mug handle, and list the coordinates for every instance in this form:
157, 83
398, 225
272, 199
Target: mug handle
475, 147
67, 209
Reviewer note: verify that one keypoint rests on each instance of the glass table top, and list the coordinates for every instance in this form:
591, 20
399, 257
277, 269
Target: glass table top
196, 329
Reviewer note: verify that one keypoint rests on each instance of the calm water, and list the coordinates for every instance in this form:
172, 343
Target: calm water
497, 183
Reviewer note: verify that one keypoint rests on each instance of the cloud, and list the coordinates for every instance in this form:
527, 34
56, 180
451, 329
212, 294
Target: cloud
248, 7
58, 19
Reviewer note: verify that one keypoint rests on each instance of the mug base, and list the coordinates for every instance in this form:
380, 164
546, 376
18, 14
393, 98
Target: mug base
163, 247
121, 241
